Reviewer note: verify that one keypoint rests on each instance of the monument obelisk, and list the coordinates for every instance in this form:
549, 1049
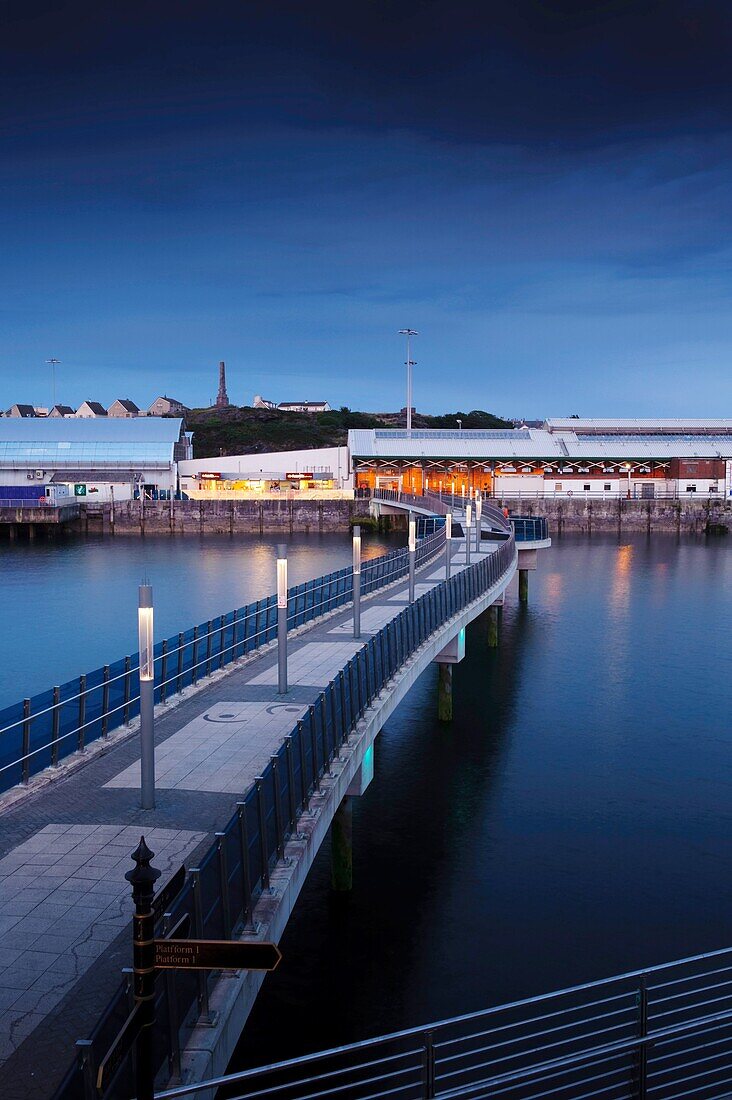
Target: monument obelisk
222, 399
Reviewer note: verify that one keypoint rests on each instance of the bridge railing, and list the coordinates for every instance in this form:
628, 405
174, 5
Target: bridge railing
530, 528
661, 1032
219, 896
41, 731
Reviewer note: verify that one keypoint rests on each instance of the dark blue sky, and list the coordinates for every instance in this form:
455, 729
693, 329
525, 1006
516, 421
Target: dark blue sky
542, 188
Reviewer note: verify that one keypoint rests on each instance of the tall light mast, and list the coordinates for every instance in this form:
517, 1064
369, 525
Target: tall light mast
53, 363
409, 333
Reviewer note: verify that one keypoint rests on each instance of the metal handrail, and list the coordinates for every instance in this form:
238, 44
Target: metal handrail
371, 1054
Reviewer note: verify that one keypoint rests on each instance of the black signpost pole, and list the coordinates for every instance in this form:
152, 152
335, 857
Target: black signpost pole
143, 879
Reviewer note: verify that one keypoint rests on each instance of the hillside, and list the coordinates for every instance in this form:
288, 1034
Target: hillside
252, 431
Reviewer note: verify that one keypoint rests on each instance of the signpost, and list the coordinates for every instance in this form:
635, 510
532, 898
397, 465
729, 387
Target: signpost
215, 955
173, 952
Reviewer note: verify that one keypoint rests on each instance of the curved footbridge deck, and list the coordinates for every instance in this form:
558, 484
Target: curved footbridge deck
248, 783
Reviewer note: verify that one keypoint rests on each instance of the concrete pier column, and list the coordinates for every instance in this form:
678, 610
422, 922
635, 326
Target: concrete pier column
523, 585
493, 621
444, 693
12, 531
341, 847
31, 531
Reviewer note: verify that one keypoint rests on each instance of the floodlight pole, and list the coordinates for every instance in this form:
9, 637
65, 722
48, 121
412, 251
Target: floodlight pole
409, 333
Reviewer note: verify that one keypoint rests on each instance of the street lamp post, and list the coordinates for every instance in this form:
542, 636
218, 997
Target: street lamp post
409, 333
147, 696
478, 517
412, 554
468, 531
357, 582
448, 544
282, 619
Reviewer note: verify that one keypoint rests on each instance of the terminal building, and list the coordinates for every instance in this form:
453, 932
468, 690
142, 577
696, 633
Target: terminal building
320, 470
97, 459
563, 458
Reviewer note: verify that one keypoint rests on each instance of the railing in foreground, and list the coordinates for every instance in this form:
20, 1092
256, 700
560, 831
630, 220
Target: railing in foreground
219, 896
39, 732
664, 1032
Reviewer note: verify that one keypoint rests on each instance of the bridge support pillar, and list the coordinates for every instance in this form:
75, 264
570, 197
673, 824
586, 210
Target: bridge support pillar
494, 615
341, 847
523, 575
444, 693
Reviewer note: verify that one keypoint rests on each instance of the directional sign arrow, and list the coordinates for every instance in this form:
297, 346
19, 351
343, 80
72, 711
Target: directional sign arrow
119, 1049
216, 955
170, 891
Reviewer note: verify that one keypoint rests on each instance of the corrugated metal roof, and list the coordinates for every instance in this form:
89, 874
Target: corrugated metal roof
531, 443
104, 430
85, 444
663, 426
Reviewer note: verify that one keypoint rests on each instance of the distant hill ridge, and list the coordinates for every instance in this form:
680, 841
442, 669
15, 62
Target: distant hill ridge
233, 430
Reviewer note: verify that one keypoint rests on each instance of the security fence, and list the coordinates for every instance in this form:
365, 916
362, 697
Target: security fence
664, 1032
41, 731
220, 894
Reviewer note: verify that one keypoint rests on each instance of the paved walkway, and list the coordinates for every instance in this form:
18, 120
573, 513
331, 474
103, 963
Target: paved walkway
64, 850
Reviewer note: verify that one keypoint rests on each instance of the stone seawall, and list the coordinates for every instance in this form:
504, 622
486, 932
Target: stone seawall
691, 516
223, 517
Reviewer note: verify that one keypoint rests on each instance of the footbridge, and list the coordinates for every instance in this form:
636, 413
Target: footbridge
470, 521
250, 775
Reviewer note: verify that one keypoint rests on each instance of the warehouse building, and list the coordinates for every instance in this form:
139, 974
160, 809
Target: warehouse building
94, 459
564, 458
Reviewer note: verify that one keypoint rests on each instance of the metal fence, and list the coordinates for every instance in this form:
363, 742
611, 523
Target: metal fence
530, 528
219, 896
665, 1032
41, 731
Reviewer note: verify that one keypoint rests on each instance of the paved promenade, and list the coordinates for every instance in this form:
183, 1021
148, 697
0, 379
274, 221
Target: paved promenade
64, 849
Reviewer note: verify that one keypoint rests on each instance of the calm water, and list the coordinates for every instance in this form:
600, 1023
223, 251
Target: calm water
71, 606
574, 821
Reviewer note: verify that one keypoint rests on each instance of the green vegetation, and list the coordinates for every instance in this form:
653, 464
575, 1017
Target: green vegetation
252, 431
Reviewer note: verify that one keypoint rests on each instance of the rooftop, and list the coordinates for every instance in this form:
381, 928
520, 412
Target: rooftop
61, 442
585, 439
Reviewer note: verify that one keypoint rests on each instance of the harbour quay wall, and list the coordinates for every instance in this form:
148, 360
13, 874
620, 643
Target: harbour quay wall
621, 514
223, 517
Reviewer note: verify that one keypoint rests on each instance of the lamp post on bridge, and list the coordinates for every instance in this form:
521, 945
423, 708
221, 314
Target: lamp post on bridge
357, 581
147, 696
478, 517
468, 531
412, 554
448, 544
282, 619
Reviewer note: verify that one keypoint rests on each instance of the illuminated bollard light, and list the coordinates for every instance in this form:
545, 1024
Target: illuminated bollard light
412, 555
468, 531
448, 544
357, 582
282, 619
147, 697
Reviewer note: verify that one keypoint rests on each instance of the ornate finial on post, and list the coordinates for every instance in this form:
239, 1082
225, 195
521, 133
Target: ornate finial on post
142, 879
